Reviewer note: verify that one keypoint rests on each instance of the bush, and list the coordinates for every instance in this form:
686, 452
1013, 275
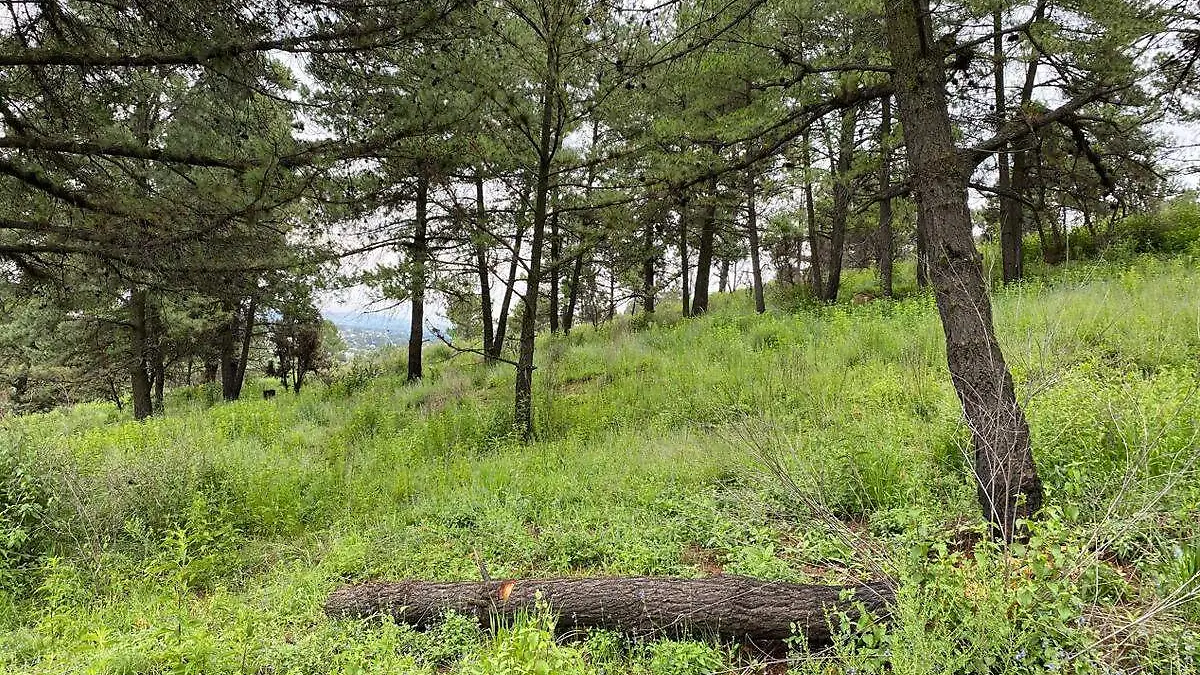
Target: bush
685, 658
1174, 229
24, 503
527, 647
354, 378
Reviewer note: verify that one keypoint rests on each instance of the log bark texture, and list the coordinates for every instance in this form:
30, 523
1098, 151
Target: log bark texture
730, 607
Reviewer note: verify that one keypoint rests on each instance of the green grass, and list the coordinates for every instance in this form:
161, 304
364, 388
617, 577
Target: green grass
207, 540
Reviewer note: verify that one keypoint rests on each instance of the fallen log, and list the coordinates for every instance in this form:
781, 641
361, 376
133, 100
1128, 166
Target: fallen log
729, 607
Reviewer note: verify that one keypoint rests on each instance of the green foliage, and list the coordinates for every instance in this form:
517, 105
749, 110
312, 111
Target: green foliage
206, 540
527, 647
686, 658
1174, 229
1171, 230
24, 505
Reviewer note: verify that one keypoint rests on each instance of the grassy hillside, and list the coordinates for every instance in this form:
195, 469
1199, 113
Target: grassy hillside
206, 541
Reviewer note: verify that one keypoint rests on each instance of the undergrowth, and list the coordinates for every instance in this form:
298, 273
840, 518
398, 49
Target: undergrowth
206, 541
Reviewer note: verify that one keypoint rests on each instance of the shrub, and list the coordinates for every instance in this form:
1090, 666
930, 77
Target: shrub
24, 504
527, 648
685, 658
354, 378
1173, 229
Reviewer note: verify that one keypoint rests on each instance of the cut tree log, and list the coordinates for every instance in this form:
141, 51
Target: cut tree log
728, 607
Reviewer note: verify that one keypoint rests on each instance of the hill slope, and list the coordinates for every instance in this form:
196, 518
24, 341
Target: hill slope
207, 540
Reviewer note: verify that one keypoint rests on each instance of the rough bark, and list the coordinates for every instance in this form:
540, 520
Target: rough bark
113, 394
1009, 488
685, 215
704, 252
730, 607
885, 240
420, 256
139, 370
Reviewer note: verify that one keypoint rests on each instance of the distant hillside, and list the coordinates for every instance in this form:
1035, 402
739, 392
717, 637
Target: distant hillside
364, 331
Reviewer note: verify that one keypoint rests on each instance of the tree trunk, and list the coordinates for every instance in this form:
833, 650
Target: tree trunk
573, 294
1009, 487
649, 261
139, 366
510, 288
1010, 209
158, 369
728, 607
1012, 217
211, 367
922, 252
723, 276
1012, 222
523, 388
555, 254
159, 380
483, 268
816, 278
225, 345
594, 293
1053, 246
247, 335
420, 256
760, 302
1088, 223
685, 214
704, 255
612, 294
841, 202
113, 395
885, 239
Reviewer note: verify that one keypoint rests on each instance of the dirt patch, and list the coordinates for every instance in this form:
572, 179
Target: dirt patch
704, 559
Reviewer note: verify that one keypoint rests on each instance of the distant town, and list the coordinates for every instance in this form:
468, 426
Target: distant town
364, 332
360, 339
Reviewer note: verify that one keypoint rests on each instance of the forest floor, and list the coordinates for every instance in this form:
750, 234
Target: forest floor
207, 540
